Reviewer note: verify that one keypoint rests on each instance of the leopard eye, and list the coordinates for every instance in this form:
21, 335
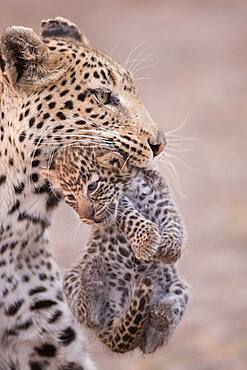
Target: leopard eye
70, 198
93, 186
105, 97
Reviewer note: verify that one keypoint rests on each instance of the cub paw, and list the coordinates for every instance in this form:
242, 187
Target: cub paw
169, 250
146, 243
162, 316
161, 324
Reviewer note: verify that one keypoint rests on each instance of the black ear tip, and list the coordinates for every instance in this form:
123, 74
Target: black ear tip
60, 28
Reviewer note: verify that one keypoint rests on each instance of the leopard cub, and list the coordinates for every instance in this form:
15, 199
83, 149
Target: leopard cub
126, 286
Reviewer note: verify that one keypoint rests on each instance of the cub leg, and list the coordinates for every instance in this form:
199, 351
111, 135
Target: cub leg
123, 334
165, 315
84, 289
153, 199
142, 234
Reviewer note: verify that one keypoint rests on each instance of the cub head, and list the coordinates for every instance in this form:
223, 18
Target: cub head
91, 181
62, 90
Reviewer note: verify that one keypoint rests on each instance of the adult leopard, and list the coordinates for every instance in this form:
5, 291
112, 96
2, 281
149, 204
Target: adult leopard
54, 91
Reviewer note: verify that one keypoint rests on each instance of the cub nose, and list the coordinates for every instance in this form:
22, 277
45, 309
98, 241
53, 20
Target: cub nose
158, 145
89, 213
86, 211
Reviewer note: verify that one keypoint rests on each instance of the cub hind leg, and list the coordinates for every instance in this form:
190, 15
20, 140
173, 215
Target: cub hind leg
166, 312
84, 289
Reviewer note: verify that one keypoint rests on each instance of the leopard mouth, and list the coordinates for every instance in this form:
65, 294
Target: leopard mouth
153, 148
88, 221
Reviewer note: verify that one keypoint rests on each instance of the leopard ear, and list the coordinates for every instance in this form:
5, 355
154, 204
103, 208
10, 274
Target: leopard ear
114, 161
25, 58
62, 28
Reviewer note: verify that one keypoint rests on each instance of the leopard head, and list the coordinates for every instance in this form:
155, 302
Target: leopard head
59, 90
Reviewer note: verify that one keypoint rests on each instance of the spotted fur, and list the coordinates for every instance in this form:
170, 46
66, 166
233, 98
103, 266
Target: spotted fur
129, 302
55, 90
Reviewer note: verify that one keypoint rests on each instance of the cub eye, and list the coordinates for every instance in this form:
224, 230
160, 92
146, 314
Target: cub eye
70, 198
93, 186
105, 97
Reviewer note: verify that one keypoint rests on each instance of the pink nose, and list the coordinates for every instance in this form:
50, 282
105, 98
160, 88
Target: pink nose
86, 211
89, 213
158, 145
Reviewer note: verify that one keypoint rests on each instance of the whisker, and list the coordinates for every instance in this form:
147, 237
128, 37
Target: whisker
137, 61
140, 56
56, 146
88, 141
112, 50
132, 52
125, 162
141, 79
177, 128
173, 177
109, 216
172, 168
182, 162
77, 228
58, 139
105, 134
143, 67
89, 134
171, 148
54, 193
181, 138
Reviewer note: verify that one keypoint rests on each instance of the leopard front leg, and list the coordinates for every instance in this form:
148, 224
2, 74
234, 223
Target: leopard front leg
84, 289
142, 233
165, 314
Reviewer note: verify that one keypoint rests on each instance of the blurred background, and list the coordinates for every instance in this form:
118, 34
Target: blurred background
193, 80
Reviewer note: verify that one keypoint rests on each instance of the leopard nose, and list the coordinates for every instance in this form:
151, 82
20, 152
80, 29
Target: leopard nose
86, 212
158, 144
90, 213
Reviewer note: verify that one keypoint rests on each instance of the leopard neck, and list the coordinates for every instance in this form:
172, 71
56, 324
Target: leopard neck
27, 201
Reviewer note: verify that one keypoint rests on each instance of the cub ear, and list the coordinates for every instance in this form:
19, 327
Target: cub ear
62, 28
113, 160
25, 59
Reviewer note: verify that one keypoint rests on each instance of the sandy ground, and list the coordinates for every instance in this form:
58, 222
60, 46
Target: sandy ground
198, 78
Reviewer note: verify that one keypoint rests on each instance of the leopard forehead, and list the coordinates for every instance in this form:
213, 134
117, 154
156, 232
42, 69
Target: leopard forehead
89, 66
